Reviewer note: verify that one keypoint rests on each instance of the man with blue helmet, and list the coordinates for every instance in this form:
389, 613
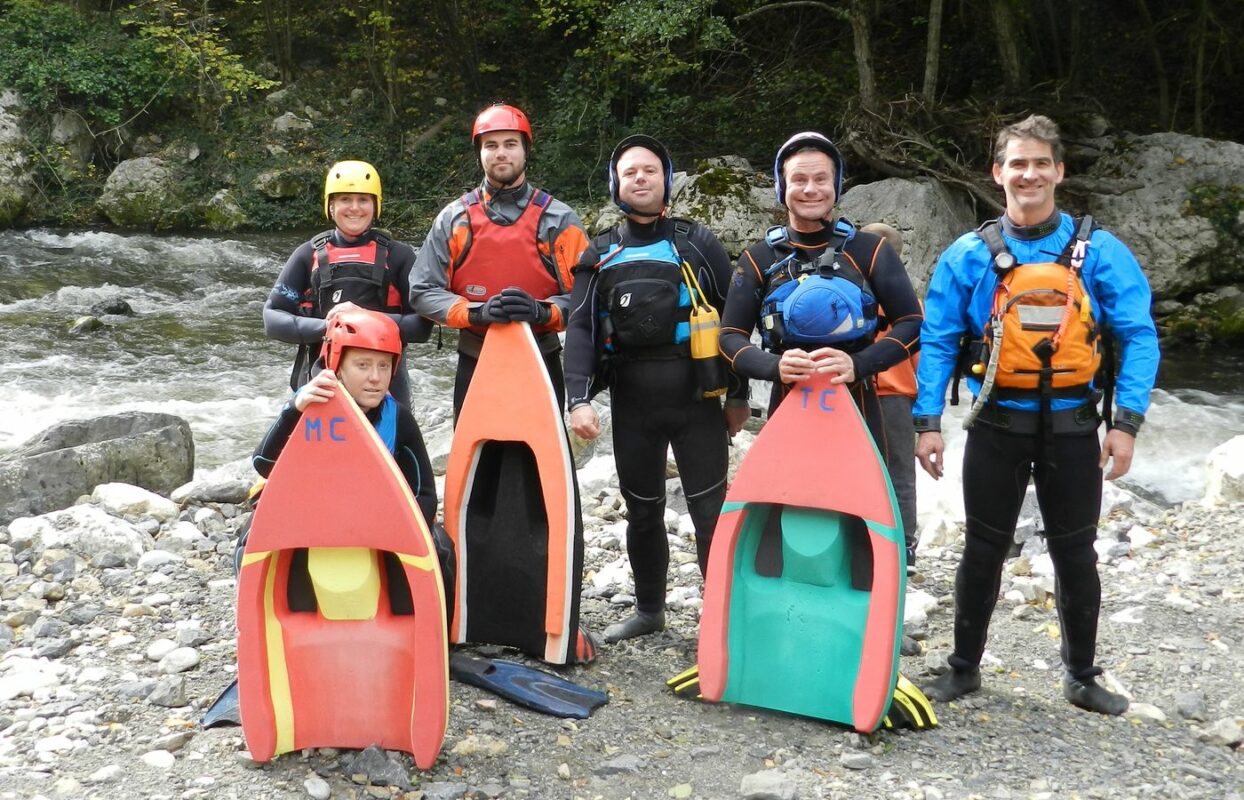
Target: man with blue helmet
629, 331
1033, 294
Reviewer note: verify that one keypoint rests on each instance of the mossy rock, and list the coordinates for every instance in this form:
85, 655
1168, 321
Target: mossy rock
223, 213
142, 193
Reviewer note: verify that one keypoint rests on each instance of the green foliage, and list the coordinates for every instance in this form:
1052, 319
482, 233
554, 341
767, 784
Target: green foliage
196, 52
55, 56
1221, 205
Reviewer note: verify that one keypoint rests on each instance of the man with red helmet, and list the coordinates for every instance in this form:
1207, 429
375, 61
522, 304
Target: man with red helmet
502, 252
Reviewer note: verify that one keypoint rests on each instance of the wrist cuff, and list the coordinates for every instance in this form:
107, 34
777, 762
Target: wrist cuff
1128, 421
927, 423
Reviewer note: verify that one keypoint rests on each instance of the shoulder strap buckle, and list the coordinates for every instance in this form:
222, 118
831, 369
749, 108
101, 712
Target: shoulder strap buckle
1003, 260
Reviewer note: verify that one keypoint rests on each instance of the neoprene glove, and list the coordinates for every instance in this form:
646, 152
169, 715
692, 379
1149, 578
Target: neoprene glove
488, 312
518, 306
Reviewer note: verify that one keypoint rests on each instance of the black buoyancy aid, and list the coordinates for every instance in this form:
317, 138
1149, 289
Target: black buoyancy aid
644, 303
357, 273
817, 302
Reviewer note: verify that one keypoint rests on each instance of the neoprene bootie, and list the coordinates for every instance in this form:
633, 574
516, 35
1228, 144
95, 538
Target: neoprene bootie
637, 624
954, 684
1086, 694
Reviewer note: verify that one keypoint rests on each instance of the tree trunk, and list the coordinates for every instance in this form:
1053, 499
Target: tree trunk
932, 52
1008, 36
1198, 78
1155, 52
863, 53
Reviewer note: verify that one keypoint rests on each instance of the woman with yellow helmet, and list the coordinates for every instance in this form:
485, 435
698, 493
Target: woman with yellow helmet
353, 265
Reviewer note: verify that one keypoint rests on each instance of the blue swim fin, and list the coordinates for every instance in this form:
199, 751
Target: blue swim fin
225, 711
534, 688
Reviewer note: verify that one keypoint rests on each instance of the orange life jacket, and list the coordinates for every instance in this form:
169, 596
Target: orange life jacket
500, 256
1049, 334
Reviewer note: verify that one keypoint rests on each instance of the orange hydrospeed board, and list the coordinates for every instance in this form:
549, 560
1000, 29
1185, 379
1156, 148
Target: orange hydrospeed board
341, 611
512, 505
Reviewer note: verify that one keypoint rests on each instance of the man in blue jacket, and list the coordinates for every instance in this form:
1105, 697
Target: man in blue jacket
1031, 365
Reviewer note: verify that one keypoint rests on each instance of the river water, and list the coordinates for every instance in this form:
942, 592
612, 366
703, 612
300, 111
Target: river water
196, 348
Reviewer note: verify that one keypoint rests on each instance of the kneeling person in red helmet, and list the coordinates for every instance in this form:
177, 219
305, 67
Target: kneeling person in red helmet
361, 351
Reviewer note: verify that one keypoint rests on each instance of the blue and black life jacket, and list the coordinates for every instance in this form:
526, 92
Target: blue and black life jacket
819, 302
645, 306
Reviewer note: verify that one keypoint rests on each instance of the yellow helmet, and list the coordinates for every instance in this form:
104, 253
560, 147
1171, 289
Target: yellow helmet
352, 176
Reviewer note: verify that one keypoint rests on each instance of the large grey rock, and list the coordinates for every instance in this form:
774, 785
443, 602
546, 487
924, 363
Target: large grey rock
280, 184
141, 193
735, 201
927, 214
151, 450
1224, 469
1176, 207
86, 530
228, 483
71, 134
289, 121
16, 181
224, 213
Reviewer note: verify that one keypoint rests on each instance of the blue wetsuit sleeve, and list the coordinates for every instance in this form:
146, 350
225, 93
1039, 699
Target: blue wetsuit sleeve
945, 321
274, 440
1119, 286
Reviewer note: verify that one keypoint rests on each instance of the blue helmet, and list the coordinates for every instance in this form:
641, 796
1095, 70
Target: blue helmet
801, 141
648, 143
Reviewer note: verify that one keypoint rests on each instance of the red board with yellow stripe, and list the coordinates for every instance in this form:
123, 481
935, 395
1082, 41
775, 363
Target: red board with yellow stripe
341, 610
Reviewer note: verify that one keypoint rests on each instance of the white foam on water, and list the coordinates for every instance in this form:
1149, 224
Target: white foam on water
227, 418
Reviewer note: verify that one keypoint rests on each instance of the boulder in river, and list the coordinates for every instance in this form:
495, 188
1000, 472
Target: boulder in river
51, 471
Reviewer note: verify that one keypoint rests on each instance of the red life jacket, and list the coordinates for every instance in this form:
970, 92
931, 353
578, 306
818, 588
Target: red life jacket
357, 273
501, 255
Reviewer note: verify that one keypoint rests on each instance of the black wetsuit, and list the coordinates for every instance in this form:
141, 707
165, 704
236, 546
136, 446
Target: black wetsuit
294, 314
656, 404
886, 277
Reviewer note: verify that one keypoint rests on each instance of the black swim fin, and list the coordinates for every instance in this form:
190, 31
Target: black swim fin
534, 688
226, 710
910, 708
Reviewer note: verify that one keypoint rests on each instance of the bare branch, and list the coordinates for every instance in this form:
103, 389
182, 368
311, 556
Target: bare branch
826, 7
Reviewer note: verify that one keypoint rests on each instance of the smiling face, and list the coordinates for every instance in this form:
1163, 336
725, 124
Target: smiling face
641, 182
1028, 174
810, 197
503, 157
352, 213
365, 374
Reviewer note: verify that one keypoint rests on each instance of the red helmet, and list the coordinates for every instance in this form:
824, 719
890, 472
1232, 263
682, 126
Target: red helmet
370, 330
500, 117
